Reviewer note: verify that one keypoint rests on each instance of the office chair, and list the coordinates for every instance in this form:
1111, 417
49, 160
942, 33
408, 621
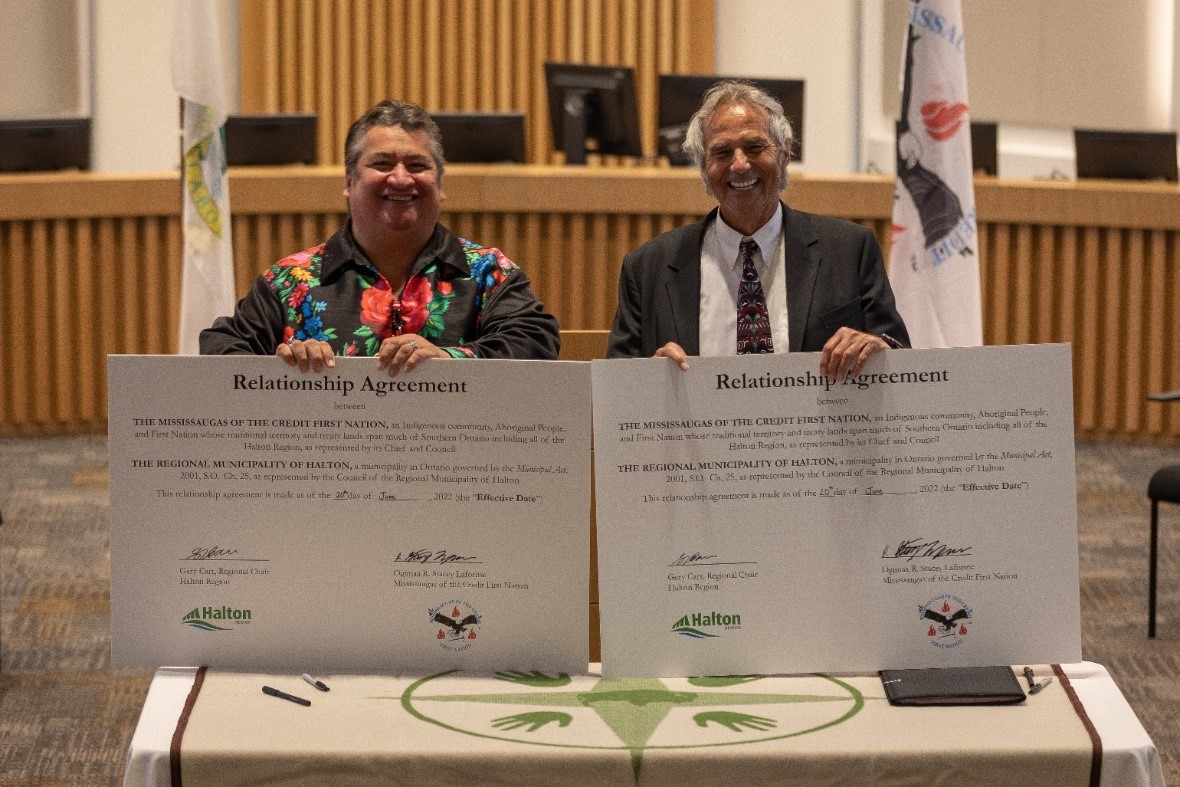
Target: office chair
1163, 486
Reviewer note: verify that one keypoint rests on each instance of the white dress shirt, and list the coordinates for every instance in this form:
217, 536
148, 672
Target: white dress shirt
721, 274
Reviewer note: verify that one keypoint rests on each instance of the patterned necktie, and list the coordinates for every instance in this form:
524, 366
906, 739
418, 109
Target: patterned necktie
753, 319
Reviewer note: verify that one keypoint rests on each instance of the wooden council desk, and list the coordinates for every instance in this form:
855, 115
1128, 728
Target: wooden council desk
91, 266
530, 728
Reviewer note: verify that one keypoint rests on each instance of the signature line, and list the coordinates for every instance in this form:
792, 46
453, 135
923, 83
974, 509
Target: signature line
732, 563
229, 559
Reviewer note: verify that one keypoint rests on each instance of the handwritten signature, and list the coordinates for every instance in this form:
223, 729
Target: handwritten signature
427, 556
695, 557
209, 553
921, 548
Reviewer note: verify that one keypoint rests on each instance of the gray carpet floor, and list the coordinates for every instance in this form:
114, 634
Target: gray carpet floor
66, 717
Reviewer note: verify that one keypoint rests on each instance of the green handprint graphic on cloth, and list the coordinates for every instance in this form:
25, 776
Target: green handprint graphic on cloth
734, 721
534, 720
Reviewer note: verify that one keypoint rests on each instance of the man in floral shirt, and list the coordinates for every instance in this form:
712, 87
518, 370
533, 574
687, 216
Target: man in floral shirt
393, 282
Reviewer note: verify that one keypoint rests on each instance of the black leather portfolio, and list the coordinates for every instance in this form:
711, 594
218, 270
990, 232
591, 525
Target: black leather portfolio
952, 686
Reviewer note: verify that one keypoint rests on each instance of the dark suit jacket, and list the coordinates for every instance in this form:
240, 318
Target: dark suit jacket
835, 277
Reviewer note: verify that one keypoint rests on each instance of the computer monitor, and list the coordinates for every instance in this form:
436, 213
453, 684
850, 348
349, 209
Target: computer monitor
1134, 155
592, 108
985, 148
44, 145
482, 137
270, 139
680, 97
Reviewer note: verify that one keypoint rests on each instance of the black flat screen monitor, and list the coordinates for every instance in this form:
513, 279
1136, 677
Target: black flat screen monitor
985, 148
267, 140
44, 145
592, 109
680, 98
482, 137
1132, 155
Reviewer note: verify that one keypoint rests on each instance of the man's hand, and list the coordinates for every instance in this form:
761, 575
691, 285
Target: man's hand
309, 355
675, 352
403, 353
846, 352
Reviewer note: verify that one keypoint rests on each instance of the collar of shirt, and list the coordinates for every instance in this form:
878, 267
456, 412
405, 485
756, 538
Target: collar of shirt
730, 240
721, 272
342, 249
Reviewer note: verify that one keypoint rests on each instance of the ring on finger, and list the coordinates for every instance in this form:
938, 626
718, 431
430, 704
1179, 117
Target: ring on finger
413, 346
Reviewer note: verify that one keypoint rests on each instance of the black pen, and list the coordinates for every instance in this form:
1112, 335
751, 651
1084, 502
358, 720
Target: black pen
1028, 675
285, 696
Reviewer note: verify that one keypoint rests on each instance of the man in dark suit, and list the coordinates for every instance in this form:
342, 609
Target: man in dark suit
817, 284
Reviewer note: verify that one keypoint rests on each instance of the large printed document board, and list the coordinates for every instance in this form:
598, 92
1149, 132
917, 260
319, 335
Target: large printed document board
755, 517
264, 519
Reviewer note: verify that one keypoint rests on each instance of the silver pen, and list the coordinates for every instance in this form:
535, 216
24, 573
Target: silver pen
319, 684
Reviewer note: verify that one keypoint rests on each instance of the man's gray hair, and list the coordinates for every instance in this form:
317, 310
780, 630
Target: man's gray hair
732, 91
395, 114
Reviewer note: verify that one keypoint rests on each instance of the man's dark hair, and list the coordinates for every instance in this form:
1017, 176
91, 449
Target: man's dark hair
396, 114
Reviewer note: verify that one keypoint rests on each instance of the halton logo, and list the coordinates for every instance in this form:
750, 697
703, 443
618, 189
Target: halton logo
457, 625
691, 625
945, 619
208, 618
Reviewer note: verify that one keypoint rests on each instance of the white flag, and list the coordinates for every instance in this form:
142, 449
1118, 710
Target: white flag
207, 284
933, 260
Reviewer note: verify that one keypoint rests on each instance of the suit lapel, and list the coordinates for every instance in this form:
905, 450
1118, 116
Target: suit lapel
803, 262
682, 284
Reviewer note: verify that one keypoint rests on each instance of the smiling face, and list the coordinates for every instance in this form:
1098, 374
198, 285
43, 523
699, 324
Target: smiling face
395, 193
742, 165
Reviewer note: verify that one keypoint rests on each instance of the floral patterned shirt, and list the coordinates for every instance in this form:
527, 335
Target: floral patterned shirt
469, 300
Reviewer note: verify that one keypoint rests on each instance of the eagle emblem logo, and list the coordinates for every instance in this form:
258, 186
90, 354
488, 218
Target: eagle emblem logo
945, 621
456, 625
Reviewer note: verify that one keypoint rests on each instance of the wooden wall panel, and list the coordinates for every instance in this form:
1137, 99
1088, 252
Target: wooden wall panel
1095, 265
17, 324
339, 57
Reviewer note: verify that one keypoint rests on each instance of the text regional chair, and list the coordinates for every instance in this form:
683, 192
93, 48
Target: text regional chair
1164, 486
